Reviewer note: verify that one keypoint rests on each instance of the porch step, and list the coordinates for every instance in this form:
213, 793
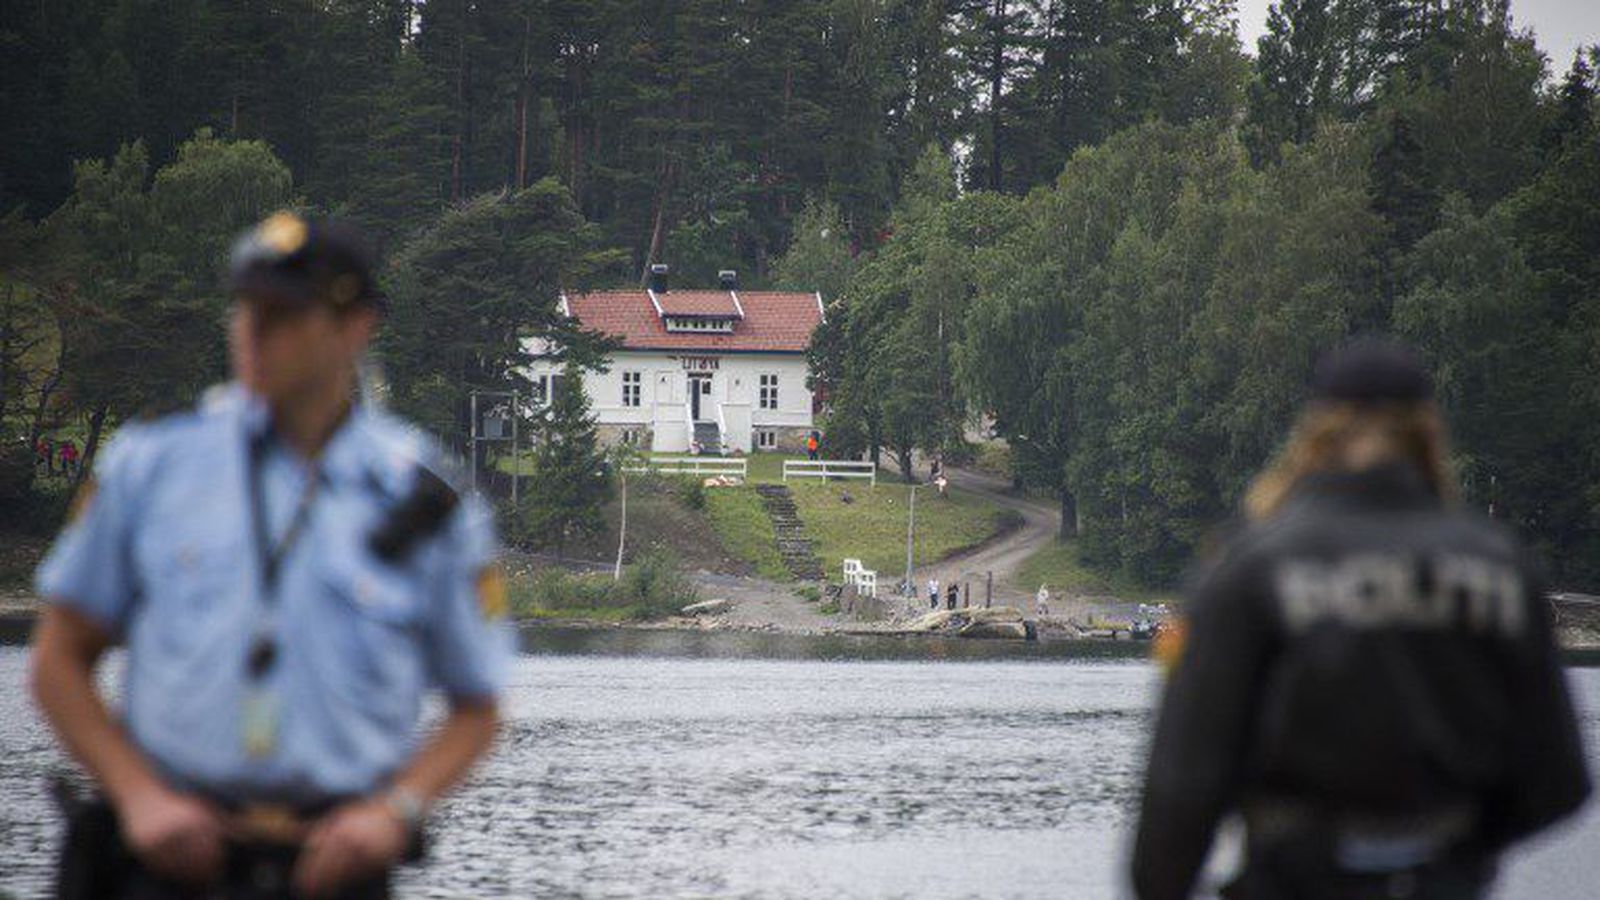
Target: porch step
797, 551
709, 437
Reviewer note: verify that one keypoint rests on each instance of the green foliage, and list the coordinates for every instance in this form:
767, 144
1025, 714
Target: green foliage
651, 587
135, 261
1153, 349
1060, 568
554, 591
571, 478
471, 288
654, 585
745, 530
691, 492
1136, 312
885, 353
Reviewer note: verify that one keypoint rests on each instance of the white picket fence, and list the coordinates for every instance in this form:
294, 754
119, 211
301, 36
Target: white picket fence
829, 468
865, 580
695, 465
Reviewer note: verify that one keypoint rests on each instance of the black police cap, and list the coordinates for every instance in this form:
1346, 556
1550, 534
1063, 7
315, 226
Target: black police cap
287, 258
1371, 370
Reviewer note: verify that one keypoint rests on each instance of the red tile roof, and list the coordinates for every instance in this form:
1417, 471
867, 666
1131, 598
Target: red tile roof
774, 321
697, 303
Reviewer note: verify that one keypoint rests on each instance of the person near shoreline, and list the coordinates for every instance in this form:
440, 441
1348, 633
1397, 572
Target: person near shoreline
1369, 676
933, 593
289, 576
952, 595
1041, 601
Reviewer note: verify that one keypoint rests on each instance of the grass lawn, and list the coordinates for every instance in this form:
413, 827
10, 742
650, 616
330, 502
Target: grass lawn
744, 529
872, 527
1058, 566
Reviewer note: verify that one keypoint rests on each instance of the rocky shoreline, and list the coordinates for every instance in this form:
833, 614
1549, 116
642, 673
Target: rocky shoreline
1577, 624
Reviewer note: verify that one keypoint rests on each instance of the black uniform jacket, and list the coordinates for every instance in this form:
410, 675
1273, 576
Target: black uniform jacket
1365, 652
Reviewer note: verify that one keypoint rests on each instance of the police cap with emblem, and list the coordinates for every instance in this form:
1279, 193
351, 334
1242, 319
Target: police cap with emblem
293, 260
1371, 370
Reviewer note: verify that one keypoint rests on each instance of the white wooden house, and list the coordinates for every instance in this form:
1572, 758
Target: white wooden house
698, 370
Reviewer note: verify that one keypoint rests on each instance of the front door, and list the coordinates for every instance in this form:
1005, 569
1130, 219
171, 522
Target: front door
699, 386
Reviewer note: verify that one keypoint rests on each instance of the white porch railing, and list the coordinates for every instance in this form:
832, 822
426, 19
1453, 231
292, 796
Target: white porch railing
829, 468
695, 465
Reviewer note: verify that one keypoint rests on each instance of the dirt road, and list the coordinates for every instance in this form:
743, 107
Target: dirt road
1003, 556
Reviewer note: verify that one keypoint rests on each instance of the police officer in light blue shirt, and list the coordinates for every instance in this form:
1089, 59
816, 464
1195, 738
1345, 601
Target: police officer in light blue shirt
290, 578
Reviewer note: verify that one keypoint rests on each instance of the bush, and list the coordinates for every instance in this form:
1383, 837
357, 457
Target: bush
651, 587
809, 593
559, 590
655, 586
691, 492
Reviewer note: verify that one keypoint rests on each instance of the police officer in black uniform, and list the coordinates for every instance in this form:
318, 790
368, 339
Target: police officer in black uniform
1369, 677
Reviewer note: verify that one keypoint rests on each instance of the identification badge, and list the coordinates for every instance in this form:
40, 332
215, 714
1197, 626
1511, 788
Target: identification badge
260, 720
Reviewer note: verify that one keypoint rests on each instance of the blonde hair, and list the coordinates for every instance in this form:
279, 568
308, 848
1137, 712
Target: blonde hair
1415, 432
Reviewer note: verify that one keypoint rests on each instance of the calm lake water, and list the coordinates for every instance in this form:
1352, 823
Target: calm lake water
719, 765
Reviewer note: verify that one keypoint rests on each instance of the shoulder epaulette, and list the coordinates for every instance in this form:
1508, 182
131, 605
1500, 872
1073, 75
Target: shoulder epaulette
418, 515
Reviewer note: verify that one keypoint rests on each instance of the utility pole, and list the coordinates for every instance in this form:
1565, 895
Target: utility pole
472, 444
911, 524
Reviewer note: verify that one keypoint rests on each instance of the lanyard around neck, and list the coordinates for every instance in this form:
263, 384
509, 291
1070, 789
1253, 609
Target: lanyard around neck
271, 554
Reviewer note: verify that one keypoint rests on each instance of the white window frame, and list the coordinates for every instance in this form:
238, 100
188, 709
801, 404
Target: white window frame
629, 436
632, 388
766, 439
768, 397
684, 323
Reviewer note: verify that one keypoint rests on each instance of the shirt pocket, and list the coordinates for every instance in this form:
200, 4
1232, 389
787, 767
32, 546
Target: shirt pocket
193, 580
376, 613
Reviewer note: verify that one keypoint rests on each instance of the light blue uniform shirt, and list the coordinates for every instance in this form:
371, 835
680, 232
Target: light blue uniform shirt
165, 559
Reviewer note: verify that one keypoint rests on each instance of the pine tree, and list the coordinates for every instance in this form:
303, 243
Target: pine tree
1296, 67
571, 479
1574, 115
1401, 188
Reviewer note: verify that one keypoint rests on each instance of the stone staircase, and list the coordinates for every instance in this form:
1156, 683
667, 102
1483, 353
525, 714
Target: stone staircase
793, 545
709, 437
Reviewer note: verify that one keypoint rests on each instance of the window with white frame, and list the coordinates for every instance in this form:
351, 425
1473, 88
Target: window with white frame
629, 436
766, 439
541, 391
630, 388
769, 392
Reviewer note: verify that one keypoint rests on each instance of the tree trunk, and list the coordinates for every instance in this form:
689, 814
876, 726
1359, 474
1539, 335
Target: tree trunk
524, 89
902, 458
997, 71
1069, 514
90, 446
521, 176
458, 142
46, 390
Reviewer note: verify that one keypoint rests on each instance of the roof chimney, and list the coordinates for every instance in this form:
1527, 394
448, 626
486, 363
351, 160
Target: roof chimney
728, 279
658, 278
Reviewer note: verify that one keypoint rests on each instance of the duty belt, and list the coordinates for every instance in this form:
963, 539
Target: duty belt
1357, 841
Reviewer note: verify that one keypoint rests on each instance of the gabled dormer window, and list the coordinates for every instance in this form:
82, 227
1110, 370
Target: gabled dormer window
699, 324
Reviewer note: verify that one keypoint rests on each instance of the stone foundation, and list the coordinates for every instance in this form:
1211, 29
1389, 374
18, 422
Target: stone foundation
611, 435
790, 439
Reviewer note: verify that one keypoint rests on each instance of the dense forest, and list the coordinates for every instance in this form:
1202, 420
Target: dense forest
1104, 229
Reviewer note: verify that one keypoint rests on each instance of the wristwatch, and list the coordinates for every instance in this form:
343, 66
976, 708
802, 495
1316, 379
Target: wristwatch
407, 806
